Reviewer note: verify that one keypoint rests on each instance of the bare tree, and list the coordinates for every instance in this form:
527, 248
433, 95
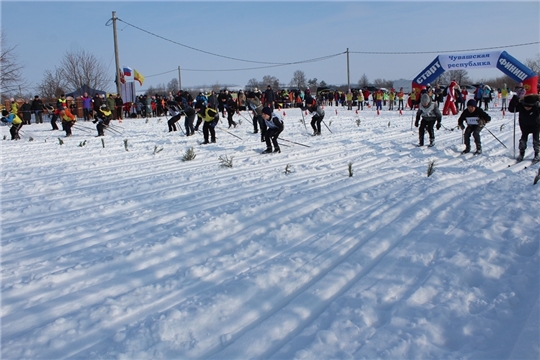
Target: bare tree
81, 68
364, 81
172, 86
11, 80
313, 83
270, 80
252, 84
299, 80
460, 76
52, 85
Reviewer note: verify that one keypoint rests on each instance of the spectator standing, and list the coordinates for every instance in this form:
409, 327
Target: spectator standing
269, 97
87, 106
26, 111
37, 108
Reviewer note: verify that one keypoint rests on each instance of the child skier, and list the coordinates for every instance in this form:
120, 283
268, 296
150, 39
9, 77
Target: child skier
429, 112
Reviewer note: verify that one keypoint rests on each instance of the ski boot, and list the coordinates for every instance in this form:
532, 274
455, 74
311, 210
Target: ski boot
520, 156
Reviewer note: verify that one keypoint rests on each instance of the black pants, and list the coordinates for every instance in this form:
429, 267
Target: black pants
188, 122
525, 131
172, 122
14, 131
53, 122
475, 131
426, 125
66, 126
316, 124
230, 114
209, 129
270, 137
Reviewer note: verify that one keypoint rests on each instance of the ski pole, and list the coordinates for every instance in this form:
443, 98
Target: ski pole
514, 134
229, 133
303, 119
495, 137
326, 126
251, 121
293, 142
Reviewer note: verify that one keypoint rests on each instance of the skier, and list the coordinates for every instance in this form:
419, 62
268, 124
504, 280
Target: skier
231, 110
15, 121
189, 119
68, 120
175, 113
529, 122
317, 114
429, 112
102, 117
254, 103
210, 118
476, 119
274, 124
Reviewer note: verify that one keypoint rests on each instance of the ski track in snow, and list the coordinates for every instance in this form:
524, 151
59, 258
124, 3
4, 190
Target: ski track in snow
108, 253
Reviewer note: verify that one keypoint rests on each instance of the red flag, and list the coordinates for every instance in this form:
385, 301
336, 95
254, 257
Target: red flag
122, 77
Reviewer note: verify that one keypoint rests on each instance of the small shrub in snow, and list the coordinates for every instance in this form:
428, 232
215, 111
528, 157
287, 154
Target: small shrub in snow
288, 169
349, 167
156, 150
431, 168
126, 144
226, 161
189, 155
60, 141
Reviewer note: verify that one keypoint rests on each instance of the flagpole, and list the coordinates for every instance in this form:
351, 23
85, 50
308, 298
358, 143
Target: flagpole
118, 86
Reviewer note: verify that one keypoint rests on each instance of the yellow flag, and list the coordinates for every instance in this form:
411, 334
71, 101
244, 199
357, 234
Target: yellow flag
138, 76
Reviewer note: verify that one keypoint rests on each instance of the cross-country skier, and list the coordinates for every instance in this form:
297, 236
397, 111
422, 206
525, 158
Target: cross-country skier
254, 103
476, 119
317, 114
429, 113
175, 112
210, 118
68, 120
15, 121
102, 118
528, 109
274, 124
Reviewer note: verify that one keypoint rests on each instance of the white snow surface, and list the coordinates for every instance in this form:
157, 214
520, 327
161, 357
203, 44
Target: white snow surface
115, 252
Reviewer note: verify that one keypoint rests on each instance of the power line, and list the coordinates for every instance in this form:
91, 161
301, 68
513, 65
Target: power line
273, 64
438, 52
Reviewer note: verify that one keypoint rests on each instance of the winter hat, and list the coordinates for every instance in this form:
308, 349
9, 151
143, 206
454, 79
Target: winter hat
530, 100
266, 110
425, 100
471, 102
199, 105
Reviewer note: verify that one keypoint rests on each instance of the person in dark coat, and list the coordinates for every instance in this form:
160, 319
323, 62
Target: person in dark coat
269, 97
231, 110
37, 108
210, 117
254, 103
175, 112
189, 119
274, 124
26, 111
317, 114
429, 112
529, 122
102, 117
476, 119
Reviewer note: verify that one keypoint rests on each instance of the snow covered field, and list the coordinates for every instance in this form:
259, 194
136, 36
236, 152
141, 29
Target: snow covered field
115, 254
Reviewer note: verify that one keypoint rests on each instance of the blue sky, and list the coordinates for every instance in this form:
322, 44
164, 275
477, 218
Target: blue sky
263, 31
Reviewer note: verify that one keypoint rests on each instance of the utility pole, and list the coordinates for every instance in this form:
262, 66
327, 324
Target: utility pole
118, 83
179, 79
348, 72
